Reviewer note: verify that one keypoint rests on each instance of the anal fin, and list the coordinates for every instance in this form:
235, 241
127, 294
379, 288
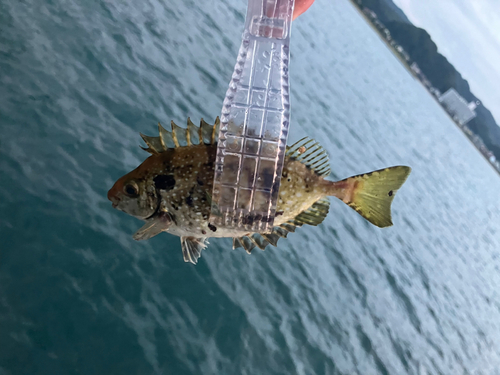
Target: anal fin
315, 214
192, 247
252, 240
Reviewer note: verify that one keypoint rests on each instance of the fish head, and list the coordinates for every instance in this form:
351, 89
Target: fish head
135, 194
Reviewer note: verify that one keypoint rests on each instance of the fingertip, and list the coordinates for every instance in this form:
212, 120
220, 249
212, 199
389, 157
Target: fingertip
301, 6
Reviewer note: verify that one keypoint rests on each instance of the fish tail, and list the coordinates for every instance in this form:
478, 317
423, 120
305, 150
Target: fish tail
371, 194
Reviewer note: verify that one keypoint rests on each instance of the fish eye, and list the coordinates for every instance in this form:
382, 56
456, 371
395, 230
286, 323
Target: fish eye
131, 189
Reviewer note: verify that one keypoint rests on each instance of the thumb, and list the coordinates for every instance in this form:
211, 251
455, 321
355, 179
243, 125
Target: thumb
301, 6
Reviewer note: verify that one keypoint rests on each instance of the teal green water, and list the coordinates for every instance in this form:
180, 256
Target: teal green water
80, 80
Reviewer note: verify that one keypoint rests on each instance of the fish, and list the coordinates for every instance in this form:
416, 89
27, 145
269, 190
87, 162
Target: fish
171, 190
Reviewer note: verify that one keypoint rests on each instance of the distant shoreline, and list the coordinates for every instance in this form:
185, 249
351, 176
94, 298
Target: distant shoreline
404, 59
382, 37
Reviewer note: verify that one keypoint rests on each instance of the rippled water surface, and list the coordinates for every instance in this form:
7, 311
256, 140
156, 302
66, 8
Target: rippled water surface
78, 82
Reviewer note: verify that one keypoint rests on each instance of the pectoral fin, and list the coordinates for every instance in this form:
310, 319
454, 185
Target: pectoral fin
153, 227
192, 247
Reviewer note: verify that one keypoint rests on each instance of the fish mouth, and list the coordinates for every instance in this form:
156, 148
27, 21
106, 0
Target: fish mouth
114, 201
112, 196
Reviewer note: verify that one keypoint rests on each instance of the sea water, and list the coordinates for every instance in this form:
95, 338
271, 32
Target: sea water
79, 81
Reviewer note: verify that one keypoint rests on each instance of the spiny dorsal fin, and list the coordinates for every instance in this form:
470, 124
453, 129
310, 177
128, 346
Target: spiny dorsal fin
310, 153
178, 134
181, 137
154, 144
209, 132
166, 137
215, 130
192, 130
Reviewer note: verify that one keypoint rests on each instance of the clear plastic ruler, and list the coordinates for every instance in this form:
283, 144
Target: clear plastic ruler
254, 122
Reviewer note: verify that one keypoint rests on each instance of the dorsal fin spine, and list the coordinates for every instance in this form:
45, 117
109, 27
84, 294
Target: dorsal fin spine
174, 133
212, 137
163, 143
200, 134
192, 129
188, 135
154, 144
180, 137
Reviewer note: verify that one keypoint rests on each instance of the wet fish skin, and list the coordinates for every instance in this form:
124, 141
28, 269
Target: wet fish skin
183, 181
171, 190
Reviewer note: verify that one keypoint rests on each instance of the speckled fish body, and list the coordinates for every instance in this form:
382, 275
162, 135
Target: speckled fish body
184, 176
171, 190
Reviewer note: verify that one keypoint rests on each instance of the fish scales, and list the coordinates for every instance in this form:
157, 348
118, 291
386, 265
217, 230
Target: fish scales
184, 177
171, 190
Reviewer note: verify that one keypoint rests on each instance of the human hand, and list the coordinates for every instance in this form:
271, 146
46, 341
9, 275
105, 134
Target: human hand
301, 6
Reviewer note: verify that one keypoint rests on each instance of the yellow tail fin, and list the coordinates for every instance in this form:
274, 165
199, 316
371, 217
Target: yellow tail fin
371, 194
